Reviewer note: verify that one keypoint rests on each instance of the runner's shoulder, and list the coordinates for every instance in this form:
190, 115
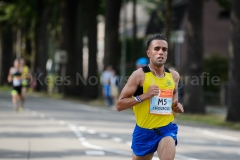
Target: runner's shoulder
138, 73
11, 69
137, 76
174, 73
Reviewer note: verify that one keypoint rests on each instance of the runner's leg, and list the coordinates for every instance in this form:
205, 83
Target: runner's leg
23, 94
166, 148
146, 157
15, 98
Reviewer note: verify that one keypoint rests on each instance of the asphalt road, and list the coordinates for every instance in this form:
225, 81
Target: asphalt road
51, 129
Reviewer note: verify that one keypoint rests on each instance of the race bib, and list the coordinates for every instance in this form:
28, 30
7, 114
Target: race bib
16, 82
162, 104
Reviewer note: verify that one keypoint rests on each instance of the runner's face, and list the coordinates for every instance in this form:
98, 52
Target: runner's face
157, 52
16, 64
22, 62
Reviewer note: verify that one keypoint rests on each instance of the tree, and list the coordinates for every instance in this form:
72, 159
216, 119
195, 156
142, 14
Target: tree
234, 76
68, 20
41, 39
193, 91
134, 36
111, 32
80, 30
168, 29
92, 81
15, 15
7, 51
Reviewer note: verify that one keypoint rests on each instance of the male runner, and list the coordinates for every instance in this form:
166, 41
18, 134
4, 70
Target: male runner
25, 81
15, 78
152, 91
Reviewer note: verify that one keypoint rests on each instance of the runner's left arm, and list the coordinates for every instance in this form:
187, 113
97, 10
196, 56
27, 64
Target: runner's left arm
175, 92
176, 107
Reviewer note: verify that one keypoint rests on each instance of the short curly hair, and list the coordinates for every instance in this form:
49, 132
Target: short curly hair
155, 36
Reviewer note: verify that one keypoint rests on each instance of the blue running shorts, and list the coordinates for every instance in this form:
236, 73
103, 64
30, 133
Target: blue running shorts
145, 141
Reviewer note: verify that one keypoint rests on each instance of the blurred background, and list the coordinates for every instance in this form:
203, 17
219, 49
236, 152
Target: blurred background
72, 46
76, 40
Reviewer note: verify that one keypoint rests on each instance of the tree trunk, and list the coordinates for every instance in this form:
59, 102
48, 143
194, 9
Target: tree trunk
42, 41
134, 36
7, 52
68, 22
234, 76
91, 90
193, 91
1, 60
111, 32
79, 46
168, 31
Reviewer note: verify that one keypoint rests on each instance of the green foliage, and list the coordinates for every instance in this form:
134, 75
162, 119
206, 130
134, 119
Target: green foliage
102, 7
19, 13
141, 52
140, 48
6, 12
151, 5
225, 4
215, 65
22, 13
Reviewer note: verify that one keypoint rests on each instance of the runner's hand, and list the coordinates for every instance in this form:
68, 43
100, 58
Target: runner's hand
177, 107
153, 91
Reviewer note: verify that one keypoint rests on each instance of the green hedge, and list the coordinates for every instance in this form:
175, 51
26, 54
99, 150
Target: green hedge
215, 65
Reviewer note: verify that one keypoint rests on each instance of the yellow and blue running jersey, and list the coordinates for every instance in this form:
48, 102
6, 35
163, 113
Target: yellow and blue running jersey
156, 111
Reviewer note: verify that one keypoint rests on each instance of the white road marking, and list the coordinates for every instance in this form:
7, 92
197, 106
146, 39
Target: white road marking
186, 140
72, 127
116, 139
129, 143
221, 136
78, 134
62, 122
81, 139
82, 128
95, 153
91, 131
86, 144
211, 134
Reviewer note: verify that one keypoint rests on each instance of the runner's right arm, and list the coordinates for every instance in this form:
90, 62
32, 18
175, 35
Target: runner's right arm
9, 75
126, 99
